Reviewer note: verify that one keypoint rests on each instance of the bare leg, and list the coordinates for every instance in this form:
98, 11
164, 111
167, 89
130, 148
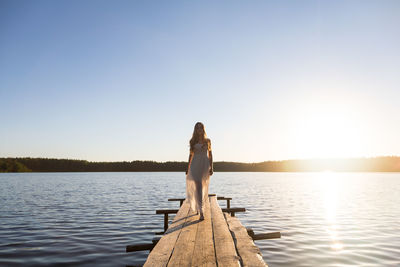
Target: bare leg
200, 191
198, 196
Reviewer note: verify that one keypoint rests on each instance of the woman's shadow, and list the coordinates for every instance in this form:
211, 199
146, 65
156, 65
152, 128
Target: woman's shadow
175, 228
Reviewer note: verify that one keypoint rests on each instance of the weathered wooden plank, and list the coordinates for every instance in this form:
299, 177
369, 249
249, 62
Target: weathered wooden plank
204, 251
224, 246
248, 252
162, 251
184, 246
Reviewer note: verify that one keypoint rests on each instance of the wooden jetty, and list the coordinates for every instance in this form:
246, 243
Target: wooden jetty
218, 240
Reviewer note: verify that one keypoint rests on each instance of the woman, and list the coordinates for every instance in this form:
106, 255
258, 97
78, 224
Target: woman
199, 169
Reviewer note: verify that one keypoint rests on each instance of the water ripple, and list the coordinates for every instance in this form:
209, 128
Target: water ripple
85, 219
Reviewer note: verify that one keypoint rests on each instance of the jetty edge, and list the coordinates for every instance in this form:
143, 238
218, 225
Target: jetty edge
218, 240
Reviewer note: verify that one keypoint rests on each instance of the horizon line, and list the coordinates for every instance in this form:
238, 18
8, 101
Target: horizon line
293, 159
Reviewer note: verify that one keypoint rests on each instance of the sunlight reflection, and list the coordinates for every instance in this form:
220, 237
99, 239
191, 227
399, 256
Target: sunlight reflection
330, 186
337, 246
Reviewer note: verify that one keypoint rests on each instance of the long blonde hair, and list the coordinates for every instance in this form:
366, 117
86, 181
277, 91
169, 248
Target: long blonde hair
195, 138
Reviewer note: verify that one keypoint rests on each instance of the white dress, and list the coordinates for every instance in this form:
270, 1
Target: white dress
198, 178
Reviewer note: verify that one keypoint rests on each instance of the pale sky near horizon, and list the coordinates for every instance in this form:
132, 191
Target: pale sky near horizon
271, 80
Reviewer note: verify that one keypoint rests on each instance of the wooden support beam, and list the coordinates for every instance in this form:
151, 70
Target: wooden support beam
177, 199
139, 247
165, 221
166, 212
271, 235
250, 232
267, 236
224, 198
233, 210
228, 201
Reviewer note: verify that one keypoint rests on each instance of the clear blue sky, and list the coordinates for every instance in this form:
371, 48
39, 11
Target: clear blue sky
271, 80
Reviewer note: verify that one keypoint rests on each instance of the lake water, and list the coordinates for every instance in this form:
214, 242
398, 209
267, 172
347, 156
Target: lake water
86, 219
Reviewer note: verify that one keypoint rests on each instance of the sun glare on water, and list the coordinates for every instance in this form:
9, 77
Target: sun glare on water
330, 186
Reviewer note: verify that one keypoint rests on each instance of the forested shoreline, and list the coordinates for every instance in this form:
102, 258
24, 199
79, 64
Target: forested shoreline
26, 164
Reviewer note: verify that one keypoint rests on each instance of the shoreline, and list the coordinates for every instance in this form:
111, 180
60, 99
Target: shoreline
376, 164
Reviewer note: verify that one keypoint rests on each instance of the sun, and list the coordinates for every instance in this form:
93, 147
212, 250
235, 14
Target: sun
327, 131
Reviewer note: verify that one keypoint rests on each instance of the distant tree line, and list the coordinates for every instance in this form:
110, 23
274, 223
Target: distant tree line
377, 164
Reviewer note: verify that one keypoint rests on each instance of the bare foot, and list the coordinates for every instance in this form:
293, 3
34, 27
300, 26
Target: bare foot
201, 217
